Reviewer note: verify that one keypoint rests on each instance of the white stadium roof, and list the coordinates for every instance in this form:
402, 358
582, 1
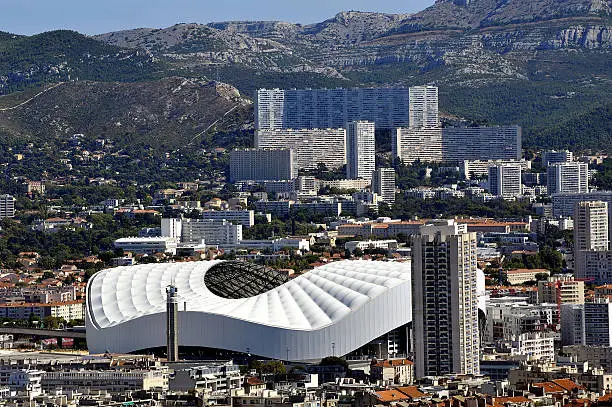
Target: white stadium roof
347, 303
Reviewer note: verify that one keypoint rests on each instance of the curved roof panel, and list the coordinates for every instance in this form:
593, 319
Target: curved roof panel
313, 307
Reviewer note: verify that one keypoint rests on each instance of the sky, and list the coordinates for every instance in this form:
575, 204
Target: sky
96, 17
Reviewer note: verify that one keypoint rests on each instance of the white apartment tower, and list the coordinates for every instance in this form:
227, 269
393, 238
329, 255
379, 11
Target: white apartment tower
592, 241
331, 108
424, 107
445, 302
591, 226
7, 206
360, 150
422, 144
259, 164
505, 180
383, 184
568, 178
553, 157
310, 146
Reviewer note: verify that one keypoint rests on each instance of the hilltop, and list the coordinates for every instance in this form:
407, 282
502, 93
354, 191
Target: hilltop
537, 63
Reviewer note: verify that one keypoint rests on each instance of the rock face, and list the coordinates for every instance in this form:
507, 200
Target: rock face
462, 35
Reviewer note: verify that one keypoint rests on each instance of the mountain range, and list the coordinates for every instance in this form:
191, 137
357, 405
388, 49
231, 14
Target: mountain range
543, 64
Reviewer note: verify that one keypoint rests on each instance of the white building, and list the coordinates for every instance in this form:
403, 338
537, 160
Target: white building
311, 146
424, 107
534, 345
592, 241
202, 231
7, 206
370, 244
479, 168
261, 164
360, 150
148, 245
591, 229
383, 184
445, 302
482, 143
422, 144
505, 180
587, 324
567, 178
271, 317
513, 316
331, 108
246, 218
553, 157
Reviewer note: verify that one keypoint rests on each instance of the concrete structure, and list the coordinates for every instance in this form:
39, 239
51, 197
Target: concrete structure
357, 184
311, 146
553, 157
521, 276
148, 245
210, 377
261, 164
417, 144
392, 372
592, 240
246, 218
480, 168
371, 244
172, 328
383, 184
564, 204
561, 289
7, 206
445, 301
505, 180
567, 178
591, 227
202, 231
482, 143
68, 310
360, 150
424, 107
236, 306
587, 324
331, 108
509, 317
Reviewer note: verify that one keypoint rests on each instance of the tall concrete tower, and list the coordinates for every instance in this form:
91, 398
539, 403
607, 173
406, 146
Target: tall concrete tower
444, 300
172, 323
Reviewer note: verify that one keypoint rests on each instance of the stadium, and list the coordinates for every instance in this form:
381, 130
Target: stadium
334, 310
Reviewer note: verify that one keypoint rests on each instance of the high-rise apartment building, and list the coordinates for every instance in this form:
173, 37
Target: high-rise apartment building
424, 107
482, 143
592, 258
457, 144
591, 228
331, 108
587, 324
310, 146
422, 144
505, 180
561, 289
194, 231
7, 206
360, 150
445, 303
383, 184
259, 164
567, 178
553, 157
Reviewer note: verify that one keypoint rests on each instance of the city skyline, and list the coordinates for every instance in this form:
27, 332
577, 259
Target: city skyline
31, 17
